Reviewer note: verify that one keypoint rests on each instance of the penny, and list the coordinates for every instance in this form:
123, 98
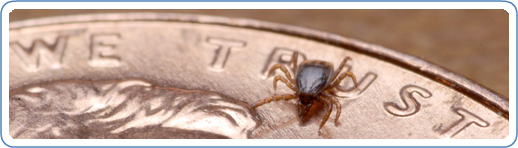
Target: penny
111, 74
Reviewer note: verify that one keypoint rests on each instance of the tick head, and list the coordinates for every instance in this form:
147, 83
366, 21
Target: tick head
305, 103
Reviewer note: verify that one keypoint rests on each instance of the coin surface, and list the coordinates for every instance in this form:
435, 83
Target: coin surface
104, 76
460, 40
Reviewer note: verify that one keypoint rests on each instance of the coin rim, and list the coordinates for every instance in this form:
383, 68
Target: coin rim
489, 98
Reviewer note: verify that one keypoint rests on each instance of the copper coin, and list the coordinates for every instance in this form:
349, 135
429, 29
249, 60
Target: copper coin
152, 75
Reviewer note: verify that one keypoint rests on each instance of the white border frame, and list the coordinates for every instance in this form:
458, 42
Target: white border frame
258, 5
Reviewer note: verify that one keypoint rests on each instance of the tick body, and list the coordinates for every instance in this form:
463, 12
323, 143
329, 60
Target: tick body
313, 81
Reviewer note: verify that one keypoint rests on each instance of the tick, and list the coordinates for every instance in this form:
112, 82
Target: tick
314, 80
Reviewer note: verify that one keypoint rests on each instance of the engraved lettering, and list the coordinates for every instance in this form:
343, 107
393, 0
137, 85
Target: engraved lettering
281, 56
41, 53
103, 53
467, 119
411, 105
351, 92
223, 50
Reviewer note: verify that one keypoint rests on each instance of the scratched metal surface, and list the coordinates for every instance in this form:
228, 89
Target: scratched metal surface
399, 96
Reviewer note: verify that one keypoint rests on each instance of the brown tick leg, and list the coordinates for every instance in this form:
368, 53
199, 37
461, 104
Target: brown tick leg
339, 69
284, 69
328, 113
341, 77
284, 97
294, 60
338, 107
279, 78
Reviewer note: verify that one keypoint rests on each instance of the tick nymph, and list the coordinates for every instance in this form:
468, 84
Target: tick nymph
313, 81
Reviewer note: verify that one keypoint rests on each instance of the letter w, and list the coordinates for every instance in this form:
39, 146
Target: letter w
41, 52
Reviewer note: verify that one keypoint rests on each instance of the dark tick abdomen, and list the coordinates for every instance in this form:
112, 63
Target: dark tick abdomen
312, 77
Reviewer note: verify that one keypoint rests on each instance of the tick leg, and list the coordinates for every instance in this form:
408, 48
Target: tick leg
279, 78
328, 113
338, 106
339, 69
294, 60
341, 77
284, 97
284, 69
